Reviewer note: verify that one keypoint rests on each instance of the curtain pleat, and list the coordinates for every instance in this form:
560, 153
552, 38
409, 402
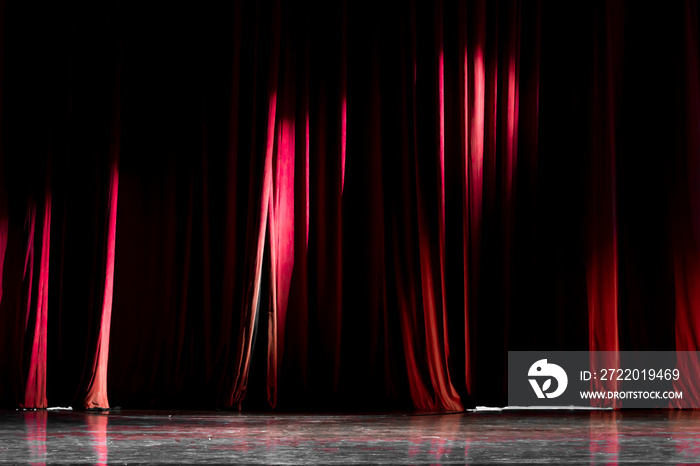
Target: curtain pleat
602, 270
37, 303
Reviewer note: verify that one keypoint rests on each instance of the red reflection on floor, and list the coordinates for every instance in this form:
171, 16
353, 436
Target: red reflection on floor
97, 427
603, 441
35, 422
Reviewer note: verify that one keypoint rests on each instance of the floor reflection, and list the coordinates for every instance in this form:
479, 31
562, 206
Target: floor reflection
603, 440
683, 432
40, 437
97, 427
35, 422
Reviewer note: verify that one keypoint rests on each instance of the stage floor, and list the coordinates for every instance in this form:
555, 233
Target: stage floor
216, 437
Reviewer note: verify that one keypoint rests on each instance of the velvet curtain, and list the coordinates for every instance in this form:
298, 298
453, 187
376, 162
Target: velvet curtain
257, 205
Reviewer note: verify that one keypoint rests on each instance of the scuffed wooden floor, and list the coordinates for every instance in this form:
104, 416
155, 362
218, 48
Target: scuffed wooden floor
469, 438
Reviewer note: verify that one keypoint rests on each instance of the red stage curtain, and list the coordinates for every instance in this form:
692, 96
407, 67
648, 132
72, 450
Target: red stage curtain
684, 208
339, 206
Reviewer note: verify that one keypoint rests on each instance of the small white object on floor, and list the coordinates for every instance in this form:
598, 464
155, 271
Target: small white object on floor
485, 408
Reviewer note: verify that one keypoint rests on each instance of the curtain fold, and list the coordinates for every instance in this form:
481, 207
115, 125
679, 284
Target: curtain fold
258, 223
37, 302
97, 396
602, 269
